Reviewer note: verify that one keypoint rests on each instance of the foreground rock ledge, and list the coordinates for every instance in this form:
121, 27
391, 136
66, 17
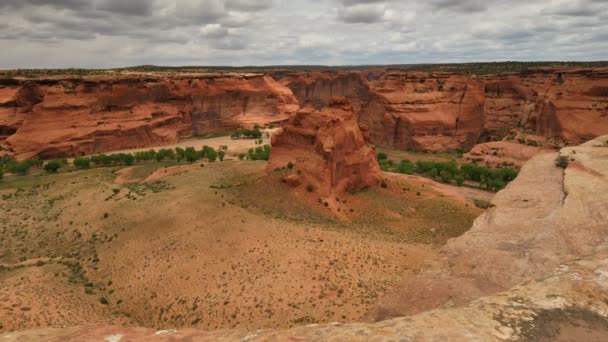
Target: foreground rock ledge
542, 244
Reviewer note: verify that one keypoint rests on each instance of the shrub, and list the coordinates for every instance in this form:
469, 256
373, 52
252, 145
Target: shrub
382, 156
310, 188
406, 167
290, 165
562, 161
211, 155
481, 204
52, 166
82, 163
104, 301
459, 180
221, 154
384, 185
241, 156
19, 168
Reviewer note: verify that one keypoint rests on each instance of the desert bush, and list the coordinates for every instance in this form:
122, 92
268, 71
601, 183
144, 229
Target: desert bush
104, 301
211, 155
82, 163
481, 204
247, 134
22, 168
562, 161
310, 188
382, 156
52, 166
459, 180
221, 154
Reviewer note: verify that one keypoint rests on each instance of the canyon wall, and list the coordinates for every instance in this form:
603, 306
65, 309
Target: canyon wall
67, 117
423, 111
441, 111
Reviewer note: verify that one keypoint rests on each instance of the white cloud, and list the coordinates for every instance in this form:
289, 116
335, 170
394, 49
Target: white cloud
111, 33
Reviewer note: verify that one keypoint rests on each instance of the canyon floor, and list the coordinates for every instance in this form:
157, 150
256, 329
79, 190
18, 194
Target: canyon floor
532, 267
210, 246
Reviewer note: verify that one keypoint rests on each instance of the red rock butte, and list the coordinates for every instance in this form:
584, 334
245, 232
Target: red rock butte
328, 149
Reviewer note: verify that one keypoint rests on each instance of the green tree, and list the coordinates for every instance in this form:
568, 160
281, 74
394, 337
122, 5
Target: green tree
221, 154
459, 180
82, 163
211, 155
52, 166
19, 168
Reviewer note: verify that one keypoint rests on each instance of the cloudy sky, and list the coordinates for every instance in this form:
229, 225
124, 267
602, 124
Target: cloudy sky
116, 33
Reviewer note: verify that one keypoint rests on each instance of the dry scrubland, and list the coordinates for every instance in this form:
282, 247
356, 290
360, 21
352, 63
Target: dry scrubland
212, 246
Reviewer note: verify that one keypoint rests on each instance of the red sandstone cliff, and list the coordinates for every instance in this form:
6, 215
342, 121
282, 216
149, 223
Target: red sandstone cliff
63, 117
403, 109
317, 88
329, 150
441, 111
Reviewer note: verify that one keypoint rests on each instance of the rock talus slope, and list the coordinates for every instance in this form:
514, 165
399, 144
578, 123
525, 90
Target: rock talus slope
328, 148
534, 263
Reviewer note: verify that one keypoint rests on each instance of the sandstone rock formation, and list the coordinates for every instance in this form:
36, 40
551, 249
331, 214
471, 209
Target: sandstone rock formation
328, 148
503, 153
442, 111
546, 217
317, 88
543, 242
64, 117
433, 111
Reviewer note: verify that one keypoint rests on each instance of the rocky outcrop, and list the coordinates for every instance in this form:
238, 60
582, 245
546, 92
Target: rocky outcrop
314, 88
546, 217
419, 111
441, 111
503, 154
65, 117
328, 148
536, 263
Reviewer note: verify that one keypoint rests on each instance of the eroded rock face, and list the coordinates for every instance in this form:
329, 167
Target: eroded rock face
419, 111
403, 109
317, 88
439, 111
66, 117
328, 148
